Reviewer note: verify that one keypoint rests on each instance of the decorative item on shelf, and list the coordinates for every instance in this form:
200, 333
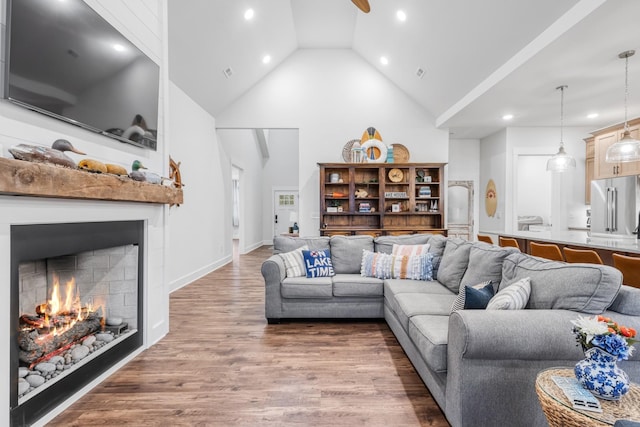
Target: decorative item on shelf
174, 172
348, 149
424, 191
334, 178
395, 175
332, 209
420, 175
364, 207
296, 229
561, 161
434, 206
361, 193
604, 343
54, 155
144, 176
396, 207
373, 148
336, 194
628, 148
340, 208
400, 153
390, 153
91, 165
427, 178
395, 194
116, 169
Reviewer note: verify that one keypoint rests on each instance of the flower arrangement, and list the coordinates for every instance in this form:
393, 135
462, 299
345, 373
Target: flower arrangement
604, 333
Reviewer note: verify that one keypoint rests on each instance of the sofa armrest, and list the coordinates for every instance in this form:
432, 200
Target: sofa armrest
497, 355
274, 272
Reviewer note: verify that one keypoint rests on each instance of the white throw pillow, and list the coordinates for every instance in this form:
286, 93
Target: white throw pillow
513, 297
294, 262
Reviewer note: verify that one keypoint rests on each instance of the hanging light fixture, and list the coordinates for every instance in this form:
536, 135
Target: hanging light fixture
561, 161
627, 149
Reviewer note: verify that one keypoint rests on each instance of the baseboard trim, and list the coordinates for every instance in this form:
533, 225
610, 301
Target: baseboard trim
201, 272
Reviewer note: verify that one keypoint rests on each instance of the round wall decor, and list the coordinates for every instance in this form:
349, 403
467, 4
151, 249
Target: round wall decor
375, 151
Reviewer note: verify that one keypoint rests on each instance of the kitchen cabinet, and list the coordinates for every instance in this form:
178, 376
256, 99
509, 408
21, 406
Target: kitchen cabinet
604, 138
381, 199
589, 169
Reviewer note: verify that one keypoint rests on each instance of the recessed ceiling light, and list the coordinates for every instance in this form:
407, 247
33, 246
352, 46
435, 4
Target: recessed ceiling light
401, 15
420, 72
266, 59
118, 47
248, 14
592, 116
507, 117
384, 60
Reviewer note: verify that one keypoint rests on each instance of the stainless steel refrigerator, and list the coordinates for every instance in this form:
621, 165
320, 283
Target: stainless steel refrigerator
615, 203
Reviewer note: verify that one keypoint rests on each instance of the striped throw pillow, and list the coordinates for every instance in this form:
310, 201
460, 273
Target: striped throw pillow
513, 297
294, 262
409, 250
386, 266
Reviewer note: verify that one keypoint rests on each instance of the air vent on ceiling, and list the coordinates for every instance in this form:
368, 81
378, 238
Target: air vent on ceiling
228, 72
420, 72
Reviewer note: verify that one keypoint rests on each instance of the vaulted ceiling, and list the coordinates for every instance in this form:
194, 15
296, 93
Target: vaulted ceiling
480, 59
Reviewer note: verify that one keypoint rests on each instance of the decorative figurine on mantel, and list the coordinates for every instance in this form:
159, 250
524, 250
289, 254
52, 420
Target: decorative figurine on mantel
54, 155
144, 176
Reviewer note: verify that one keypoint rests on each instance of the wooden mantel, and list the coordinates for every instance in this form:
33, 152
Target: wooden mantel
18, 177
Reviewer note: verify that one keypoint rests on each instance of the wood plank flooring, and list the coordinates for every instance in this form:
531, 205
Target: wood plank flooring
222, 365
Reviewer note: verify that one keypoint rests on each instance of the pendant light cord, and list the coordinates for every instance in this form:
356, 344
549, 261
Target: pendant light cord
626, 90
562, 115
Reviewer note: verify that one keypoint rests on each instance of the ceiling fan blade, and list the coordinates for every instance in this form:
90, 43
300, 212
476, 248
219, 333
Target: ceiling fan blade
363, 5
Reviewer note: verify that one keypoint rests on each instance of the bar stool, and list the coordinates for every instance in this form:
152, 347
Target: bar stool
630, 268
508, 241
485, 238
581, 255
544, 250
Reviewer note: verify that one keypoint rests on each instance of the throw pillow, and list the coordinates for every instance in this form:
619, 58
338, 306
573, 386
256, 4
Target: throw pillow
294, 262
386, 266
513, 297
410, 249
318, 263
473, 297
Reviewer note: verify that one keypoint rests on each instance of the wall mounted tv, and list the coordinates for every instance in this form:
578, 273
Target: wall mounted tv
64, 60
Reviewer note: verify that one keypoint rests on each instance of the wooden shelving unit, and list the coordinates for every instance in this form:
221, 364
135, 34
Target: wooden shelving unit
381, 199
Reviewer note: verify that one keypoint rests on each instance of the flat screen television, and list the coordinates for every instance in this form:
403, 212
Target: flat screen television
64, 60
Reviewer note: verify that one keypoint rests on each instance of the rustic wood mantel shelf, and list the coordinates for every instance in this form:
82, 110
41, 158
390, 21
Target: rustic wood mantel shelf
22, 178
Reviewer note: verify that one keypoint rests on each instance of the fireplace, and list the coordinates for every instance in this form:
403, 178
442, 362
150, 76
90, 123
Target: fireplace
76, 308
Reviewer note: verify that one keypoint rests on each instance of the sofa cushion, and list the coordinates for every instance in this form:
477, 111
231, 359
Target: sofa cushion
455, 260
588, 288
318, 263
398, 286
409, 305
473, 296
301, 287
386, 266
294, 262
429, 334
437, 244
485, 263
287, 244
513, 297
352, 285
346, 252
385, 244
627, 301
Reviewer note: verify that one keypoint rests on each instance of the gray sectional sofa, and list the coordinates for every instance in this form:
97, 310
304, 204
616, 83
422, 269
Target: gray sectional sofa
479, 365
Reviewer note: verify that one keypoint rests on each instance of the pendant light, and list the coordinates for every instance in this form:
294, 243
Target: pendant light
627, 149
561, 161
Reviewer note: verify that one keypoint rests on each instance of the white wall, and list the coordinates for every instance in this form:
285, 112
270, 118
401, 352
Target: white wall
280, 170
464, 165
242, 151
493, 166
198, 229
332, 96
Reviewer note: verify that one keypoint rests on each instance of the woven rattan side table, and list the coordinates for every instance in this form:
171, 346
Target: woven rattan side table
560, 412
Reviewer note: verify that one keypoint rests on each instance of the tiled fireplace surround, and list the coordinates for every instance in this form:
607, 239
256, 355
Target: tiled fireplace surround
28, 211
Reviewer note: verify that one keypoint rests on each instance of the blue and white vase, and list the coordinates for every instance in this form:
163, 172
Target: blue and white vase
599, 374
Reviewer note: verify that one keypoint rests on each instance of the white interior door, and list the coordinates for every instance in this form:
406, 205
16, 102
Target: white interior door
285, 204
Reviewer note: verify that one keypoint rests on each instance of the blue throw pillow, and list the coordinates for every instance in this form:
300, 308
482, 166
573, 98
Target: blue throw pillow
478, 298
318, 263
